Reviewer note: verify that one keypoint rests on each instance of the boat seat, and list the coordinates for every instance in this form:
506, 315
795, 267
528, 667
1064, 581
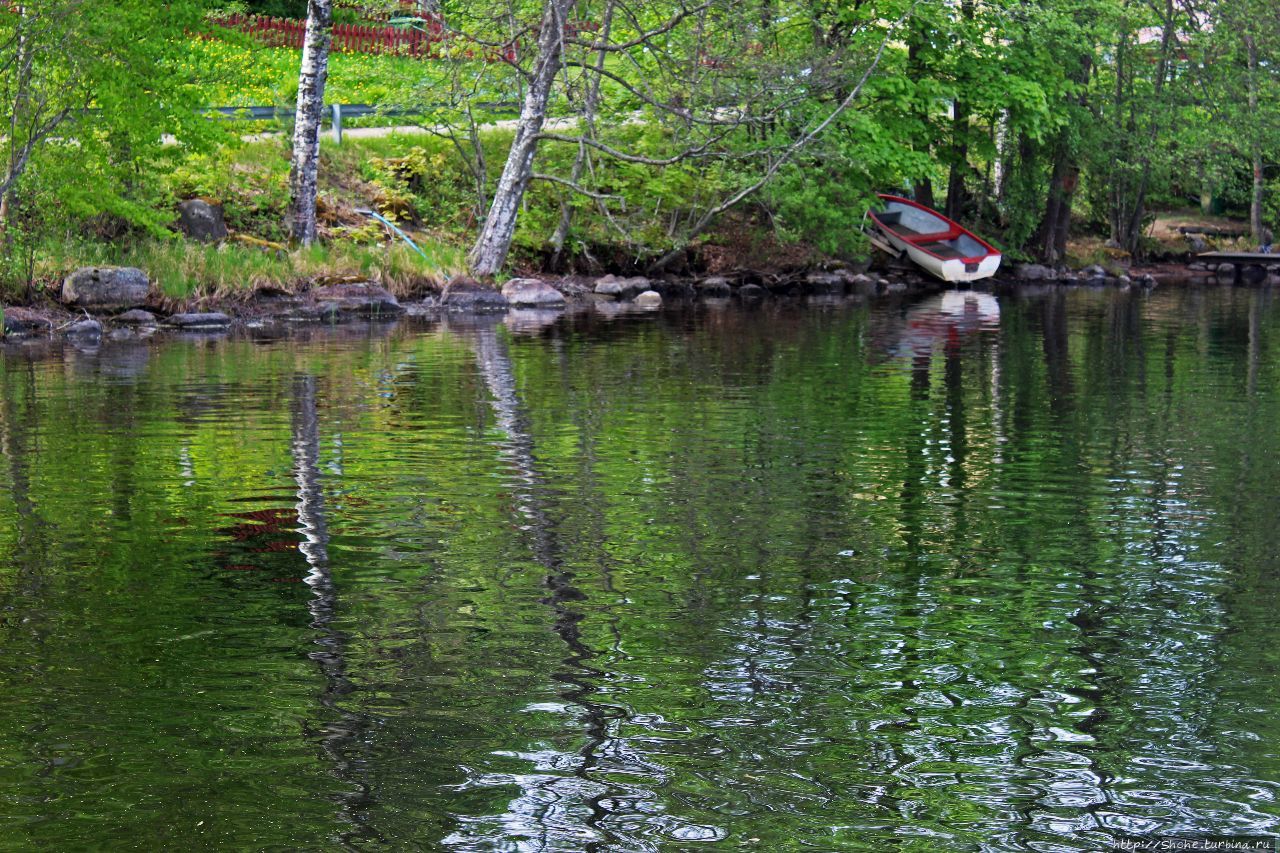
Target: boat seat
941, 249
932, 237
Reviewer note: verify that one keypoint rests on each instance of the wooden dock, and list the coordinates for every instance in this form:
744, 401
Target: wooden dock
1250, 267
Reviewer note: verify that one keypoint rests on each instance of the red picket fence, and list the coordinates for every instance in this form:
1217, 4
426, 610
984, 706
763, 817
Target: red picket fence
347, 38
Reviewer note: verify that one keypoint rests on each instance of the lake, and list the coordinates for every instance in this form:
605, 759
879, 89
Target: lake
995, 574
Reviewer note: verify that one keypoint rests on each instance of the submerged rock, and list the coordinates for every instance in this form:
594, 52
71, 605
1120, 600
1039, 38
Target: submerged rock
467, 294
106, 289
85, 329
532, 293
202, 221
211, 320
752, 293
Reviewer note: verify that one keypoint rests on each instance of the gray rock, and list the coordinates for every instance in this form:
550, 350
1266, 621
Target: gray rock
211, 320
824, 283
752, 293
715, 287
896, 287
1124, 279
428, 307
1093, 271
621, 288
1032, 272
23, 321
468, 295
1146, 280
202, 221
674, 289
85, 329
1197, 267
136, 317
106, 289
1198, 245
361, 298
649, 299
532, 293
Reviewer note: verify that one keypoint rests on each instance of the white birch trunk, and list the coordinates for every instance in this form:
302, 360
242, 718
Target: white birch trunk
490, 251
306, 130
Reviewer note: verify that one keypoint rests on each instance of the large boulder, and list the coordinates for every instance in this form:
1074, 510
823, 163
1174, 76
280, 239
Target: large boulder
621, 288
361, 298
532, 293
106, 289
468, 295
202, 221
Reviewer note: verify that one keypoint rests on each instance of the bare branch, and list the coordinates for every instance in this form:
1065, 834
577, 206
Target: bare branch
578, 188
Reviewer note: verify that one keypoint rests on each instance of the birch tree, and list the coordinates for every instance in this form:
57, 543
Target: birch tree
490, 251
310, 112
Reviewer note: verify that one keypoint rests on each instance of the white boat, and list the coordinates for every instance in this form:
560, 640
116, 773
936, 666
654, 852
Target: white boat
933, 242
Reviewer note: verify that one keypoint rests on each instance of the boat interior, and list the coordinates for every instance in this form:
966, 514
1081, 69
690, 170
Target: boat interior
931, 233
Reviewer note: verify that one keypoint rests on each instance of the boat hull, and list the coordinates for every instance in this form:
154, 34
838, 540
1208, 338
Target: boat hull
952, 269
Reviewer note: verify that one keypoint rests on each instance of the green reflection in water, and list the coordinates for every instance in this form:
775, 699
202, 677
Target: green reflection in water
853, 578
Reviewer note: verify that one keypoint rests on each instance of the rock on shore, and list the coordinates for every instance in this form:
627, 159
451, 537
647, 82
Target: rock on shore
106, 289
532, 293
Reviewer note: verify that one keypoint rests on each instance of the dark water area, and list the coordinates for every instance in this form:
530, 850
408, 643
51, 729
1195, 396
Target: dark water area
925, 576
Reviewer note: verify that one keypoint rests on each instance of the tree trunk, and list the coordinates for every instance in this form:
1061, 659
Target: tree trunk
1132, 233
1259, 183
490, 251
310, 112
957, 195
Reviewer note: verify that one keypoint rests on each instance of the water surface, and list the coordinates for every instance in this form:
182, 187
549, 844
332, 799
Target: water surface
830, 578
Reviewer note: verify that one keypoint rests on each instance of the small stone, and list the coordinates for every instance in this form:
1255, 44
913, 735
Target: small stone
532, 293
752, 293
202, 221
211, 320
467, 294
1093, 271
106, 289
136, 317
650, 299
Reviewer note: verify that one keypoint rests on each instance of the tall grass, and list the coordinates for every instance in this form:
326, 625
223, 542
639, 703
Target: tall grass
182, 270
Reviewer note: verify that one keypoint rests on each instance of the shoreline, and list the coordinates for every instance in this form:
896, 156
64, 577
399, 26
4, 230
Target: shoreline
273, 313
